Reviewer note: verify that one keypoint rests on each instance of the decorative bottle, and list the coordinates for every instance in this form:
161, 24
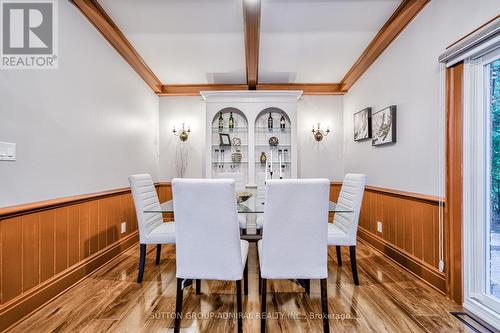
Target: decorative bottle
221, 121
270, 121
231, 121
263, 158
282, 121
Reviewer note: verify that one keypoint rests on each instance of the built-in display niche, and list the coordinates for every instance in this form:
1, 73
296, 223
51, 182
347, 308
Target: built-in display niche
229, 149
242, 140
273, 147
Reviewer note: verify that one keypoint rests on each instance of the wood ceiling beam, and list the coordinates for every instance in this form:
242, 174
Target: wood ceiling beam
403, 15
105, 25
307, 88
251, 16
194, 89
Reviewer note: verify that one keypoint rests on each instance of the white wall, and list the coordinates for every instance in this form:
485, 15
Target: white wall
79, 129
322, 159
173, 112
407, 74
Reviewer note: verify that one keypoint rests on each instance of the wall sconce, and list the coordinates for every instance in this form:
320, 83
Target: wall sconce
319, 133
183, 134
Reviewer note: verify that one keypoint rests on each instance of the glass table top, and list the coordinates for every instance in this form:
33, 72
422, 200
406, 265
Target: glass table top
247, 207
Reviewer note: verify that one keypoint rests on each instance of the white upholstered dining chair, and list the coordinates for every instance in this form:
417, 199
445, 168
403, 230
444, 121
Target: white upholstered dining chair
152, 229
242, 220
342, 232
208, 241
294, 242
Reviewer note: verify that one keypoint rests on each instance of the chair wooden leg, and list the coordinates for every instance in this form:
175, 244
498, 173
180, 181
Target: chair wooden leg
239, 306
263, 307
178, 306
339, 256
324, 305
158, 253
142, 260
245, 278
352, 250
198, 286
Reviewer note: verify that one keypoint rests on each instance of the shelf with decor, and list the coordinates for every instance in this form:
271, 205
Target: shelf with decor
234, 147
272, 148
229, 146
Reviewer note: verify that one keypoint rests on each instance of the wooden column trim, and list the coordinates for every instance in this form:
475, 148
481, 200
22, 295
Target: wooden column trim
398, 21
105, 25
454, 185
251, 15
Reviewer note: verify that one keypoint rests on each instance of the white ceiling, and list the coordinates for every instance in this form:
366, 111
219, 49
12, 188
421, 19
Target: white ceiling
317, 41
185, 41
202, 41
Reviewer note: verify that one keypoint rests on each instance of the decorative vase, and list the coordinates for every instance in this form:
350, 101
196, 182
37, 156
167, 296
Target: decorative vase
236, 156
263, 158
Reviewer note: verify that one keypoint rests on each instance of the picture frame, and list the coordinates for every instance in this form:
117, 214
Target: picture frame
384, 126
224, 140
362, 121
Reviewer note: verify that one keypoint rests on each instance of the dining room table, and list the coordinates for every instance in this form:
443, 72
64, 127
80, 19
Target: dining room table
249, 207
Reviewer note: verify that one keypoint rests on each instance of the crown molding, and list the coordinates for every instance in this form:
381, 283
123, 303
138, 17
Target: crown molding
109, 30
398, 21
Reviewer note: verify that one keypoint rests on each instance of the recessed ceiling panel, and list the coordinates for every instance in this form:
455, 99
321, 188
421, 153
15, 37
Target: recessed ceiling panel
317, 41
185, 41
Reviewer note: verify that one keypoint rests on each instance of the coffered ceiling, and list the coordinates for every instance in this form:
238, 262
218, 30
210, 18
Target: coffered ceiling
183, 46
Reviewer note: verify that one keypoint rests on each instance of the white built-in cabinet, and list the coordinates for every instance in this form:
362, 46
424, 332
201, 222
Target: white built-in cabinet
250, 111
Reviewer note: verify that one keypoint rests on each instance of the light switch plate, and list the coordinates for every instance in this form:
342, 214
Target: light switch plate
124, 227
7, 151
379, 226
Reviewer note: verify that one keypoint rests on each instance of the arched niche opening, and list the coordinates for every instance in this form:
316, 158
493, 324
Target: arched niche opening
273, 146
261, 121
229, 148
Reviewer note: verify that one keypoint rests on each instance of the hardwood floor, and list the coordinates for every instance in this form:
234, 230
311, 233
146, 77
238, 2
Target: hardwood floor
388, 299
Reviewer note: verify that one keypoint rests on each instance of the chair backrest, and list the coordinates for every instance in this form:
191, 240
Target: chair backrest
207, 229
145, 198
351, 197
294, 243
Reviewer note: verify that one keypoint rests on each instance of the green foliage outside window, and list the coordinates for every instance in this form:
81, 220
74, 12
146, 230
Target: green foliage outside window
495, 141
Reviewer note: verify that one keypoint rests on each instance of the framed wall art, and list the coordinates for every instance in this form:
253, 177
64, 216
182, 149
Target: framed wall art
363, 124
384, 126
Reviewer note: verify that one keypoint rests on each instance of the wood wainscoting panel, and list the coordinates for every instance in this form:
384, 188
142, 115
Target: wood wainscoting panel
47, 244
47, 247
164, 190
410, 229
11, 258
